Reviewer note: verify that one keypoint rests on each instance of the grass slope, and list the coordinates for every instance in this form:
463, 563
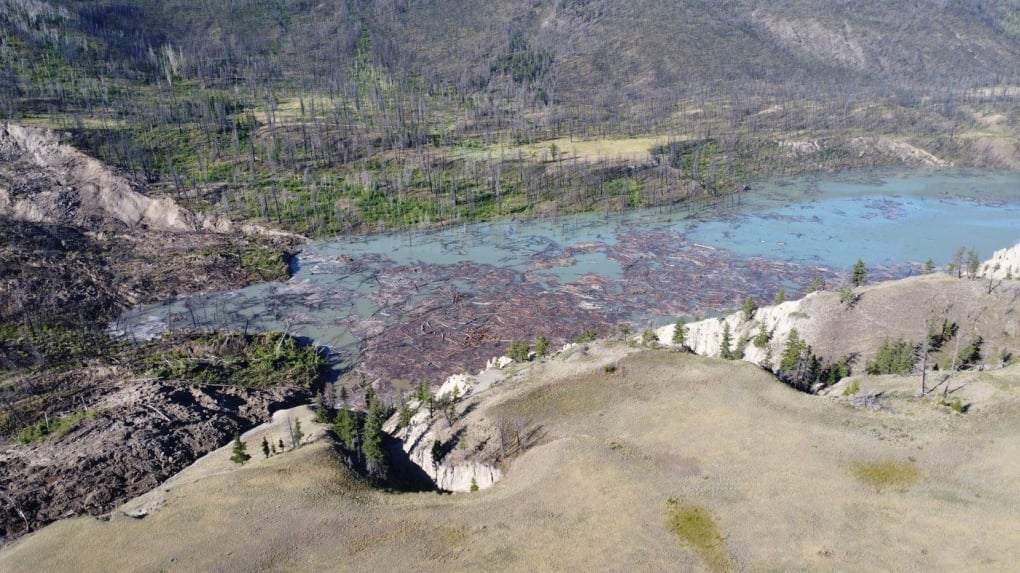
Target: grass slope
672, 462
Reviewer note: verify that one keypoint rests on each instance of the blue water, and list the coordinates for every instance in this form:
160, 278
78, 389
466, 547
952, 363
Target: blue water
344, 290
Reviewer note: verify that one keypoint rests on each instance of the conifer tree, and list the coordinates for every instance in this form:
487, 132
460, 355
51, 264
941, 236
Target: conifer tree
541, 346
345, 427
781, 295
679, 333
725, 347
749, 307
239, 453
791, 351
859, 274
371, 443
265, 447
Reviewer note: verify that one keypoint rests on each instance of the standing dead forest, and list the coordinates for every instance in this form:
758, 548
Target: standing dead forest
349, 116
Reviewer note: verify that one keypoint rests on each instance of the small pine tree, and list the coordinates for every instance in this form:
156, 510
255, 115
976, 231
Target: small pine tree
781, 295
679, 332
343, 396
345, 427
725, 347
474, 484
239, 453
298, 434
859, 274
404, 419
792, 350
541, 346
371, 443
282, 447
973, 263
265, 446
957, 264
749, 307
762, 338
929, 267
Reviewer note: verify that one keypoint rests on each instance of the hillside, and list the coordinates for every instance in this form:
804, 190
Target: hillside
671, 461
909, 309
152, 150
340, 117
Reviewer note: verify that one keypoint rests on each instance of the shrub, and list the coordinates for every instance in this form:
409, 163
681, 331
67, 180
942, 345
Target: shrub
956, 405
853, 388
649, 338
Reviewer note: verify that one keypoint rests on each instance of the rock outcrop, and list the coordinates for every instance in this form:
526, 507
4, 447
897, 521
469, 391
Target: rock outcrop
1005, 263
458, 469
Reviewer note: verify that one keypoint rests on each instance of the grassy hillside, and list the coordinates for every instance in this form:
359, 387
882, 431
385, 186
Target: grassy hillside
670, 462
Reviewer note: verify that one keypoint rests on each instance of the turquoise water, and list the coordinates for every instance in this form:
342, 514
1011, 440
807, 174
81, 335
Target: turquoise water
638, 265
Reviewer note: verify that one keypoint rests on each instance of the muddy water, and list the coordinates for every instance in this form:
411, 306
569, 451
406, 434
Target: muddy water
416, 306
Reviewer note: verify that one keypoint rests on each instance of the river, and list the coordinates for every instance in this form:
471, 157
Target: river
414, 306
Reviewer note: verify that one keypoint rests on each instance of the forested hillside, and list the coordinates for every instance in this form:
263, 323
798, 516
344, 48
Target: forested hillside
331, 117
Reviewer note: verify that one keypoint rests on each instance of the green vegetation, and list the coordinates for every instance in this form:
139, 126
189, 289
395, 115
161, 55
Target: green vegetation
53, 427
970, 354
886, 475
679, 333
541, 346
519, 350
371, 445
859, 274
955, 404
239, 452
588, 335
242, 360
262, 264
649, 338
894, 356
848, 297
852, 388
792, 351
750, 306
762, 337
346, 428
695, 525
802, 369
726, 344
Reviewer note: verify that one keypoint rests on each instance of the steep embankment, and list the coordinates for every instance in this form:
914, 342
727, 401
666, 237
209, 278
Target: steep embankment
836, 328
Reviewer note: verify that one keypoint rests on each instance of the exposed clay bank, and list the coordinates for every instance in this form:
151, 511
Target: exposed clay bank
421, 305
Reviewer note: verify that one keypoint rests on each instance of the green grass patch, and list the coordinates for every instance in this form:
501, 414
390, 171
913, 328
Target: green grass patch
52, 427
261, 264
886, 475
696, 526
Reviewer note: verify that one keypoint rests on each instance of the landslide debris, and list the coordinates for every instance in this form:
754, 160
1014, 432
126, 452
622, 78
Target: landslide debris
79, 242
